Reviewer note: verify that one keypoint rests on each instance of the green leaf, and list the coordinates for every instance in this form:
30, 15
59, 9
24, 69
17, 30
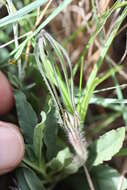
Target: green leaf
57, 10
50, 71
29, 154
62, 160
28, 180
38, 136
105, 177
30, 160
111, 103
73, 167
26, 116
122, 152
50, 134
77, 181
20, 13
106, 146
93, 80
106, 101
3, 56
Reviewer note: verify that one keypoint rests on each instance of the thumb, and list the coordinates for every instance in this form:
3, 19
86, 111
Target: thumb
11, 147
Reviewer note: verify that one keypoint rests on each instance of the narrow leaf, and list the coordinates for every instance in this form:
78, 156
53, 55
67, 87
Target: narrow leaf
38, 136
20, 13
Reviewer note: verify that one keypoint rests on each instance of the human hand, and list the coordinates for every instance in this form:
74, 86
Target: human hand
11, 140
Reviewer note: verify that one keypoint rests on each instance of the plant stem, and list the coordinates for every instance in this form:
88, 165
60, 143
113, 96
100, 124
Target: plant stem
37, 22
38, 169
124, 171
88, 178
121, 181
11, 10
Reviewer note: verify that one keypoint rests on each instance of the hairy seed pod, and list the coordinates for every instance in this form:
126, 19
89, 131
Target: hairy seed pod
76, 136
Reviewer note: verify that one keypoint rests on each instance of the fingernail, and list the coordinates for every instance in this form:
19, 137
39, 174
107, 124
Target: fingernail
11, 147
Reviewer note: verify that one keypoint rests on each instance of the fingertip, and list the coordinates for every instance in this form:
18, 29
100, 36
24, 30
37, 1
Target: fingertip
11, 147
6, 95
